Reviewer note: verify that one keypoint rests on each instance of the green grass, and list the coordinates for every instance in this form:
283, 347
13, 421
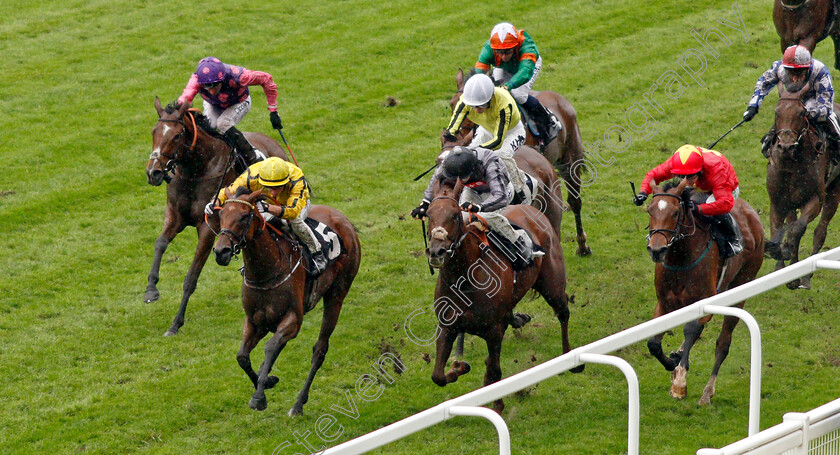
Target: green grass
83, 365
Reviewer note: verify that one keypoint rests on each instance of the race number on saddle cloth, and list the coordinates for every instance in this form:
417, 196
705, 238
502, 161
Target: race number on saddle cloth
516, 63
796, 70
285, 194
710, 172
227, 99
499, 127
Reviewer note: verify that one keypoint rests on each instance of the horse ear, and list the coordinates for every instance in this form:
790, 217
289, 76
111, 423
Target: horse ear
252, 198
679, 189
459, 78
655, 189
183, 109
158, 107
803, 90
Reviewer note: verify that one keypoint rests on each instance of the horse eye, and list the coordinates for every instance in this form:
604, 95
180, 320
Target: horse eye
675, 215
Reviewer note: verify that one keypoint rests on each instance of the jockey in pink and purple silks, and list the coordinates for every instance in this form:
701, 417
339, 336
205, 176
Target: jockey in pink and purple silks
227, 99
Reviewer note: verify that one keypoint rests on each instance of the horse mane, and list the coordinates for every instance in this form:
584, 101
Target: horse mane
242, 191
200, 119
687, 194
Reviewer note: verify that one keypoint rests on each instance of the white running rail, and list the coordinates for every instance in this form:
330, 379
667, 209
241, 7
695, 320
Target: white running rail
575, 357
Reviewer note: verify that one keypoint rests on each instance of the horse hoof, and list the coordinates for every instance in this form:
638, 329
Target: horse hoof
519, 320
271, 382
295, 411
170, 333
461, 367
258, 404
675, 356
678, 393
578, 369
584, 251
773, 251
151, 296
793, 285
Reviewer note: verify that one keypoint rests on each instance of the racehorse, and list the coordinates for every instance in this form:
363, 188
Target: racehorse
200, 165
475, 290
276, 292
565, 152
689, 269
806, 22
799, 177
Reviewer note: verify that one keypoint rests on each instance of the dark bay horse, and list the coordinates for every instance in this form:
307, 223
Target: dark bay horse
477, 287
275, 287
180, 143
562, 152
806, 22
688, 269
799, 178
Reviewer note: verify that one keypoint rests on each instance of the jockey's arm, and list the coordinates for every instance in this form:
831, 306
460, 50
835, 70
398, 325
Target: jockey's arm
657, 174
190, 90
525, 71
298, 197
263, 79
458, 116
723, 202
824, 96
498, 187
765, 83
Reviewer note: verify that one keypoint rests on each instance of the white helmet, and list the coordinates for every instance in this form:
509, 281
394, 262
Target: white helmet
478, 91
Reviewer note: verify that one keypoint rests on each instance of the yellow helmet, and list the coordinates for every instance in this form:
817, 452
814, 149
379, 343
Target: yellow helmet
274, 172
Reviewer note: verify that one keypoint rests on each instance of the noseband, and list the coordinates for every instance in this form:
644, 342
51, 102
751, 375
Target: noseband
454, 242
676, 234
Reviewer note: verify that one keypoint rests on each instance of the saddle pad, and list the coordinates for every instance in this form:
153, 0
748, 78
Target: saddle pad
331, 243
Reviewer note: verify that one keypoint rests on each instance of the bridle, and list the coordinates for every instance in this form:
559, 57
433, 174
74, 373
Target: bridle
238, 241
677, 233
798, 134
454, 240
181, 139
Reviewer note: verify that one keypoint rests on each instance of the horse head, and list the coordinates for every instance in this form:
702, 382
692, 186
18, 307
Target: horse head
169, 140
667, 215
236, 219
793, 130
446, 227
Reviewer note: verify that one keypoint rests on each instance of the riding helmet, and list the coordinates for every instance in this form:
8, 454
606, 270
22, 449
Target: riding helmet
210, 70
274, 172
687, 160
461, 163
796, 56
478, 90
504, 36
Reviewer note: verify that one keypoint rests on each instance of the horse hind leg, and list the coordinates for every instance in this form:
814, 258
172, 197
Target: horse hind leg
169, 232
493, 372
332, 308
721, 351
557, 298
575, 202
836, 38
832, 198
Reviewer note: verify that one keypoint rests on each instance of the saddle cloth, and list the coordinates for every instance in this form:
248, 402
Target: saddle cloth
331, 243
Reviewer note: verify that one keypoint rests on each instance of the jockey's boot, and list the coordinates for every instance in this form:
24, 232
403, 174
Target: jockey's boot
320, 262
547, 123
767, 141
833, 144
245, 149
731, 241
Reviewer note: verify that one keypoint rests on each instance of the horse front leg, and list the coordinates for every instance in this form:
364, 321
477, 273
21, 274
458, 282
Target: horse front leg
202, 251
797, 230
170, 230
251, 335
836, 38
332, 308
773, 247
286, 330
679, 384
721, 351
654, 343
493, 373
444, 348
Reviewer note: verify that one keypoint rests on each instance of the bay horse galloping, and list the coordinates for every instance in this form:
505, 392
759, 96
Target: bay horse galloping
477, 287
200, 165
799, 178
276, 292
565, 152
806, 22
689, 269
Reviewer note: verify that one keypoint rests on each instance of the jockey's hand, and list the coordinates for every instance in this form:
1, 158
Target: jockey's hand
695, 209
420, 211
209, 208
750, 113
812, 115
640, 198
262, 206
470, 207
275, 121
506, 87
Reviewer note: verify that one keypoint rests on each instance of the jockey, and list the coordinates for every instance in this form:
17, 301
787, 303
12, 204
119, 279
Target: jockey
517, 64
494, 110
710, 172
487, 190
227, 100
794, 71
287, 194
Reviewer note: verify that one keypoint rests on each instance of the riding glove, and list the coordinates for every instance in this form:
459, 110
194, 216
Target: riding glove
275, 121
750, 113
208, 209
470, 207
420, 211
640, 198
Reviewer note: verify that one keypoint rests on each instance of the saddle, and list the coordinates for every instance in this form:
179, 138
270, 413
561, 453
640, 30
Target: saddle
331, 244
511, 251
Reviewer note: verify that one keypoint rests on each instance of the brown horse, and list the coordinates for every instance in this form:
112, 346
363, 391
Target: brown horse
562, 152
199, 161
475, 290
688, 269
276, 288
798, 178
806, 22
